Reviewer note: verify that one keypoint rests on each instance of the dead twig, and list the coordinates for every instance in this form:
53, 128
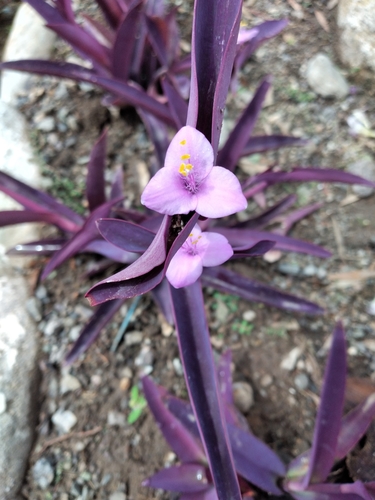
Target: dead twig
64, 437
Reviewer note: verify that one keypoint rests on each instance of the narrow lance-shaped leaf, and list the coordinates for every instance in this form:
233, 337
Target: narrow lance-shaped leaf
328, 423
268, 215
40, 247
177, 436
129, 93
227, 281
162, 297
236, 142
262, 143
196, 355
112, 11
90, 332
176, 103
49, 13
126, 235
185, 478
95, 182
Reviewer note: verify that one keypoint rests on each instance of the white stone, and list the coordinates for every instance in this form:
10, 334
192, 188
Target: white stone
69, 383
43, 473
64, 421
364, 167
115, 418
3, 403
324, 78
289, 362
243, 396
249, 316
118, 495
28, 39
356, 23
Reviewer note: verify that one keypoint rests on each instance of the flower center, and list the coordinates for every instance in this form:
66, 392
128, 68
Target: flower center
190, 245
186, 172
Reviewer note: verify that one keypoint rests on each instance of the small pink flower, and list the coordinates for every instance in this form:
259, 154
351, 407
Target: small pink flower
199, 250
189, 181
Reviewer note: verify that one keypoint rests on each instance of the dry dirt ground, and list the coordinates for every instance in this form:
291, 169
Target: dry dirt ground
104, 454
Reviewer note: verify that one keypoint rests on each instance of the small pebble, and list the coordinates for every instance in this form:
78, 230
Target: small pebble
118, 495
371, 307
43, 473
249, 315
116, 418
69, 383
301, 381
324, 78
221, 312
243, 396
3, 403
289, 268
64, 421
177, 365
266, 380
41, 292
133, 338
52, 326
33, 307
145, 357
290, 360
46, 124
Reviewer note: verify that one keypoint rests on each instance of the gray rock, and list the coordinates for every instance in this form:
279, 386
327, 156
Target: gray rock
221, 312
28, 39
290, 268
309, 270
69, 383
324, 78
356, 22
177, 365
41, 292
33, 307
43, 473
371, 307
47, 124
364, 167
290, 360
116, 418
301, 381
53, 325
243, 396
3, 403
249, 315
118, 495
64, 421
133, 338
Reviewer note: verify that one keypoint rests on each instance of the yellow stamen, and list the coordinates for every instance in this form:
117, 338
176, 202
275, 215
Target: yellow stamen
185, 169
189, 166
183, 142
185, 157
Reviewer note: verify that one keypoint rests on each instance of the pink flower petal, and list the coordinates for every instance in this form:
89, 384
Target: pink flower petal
217, 251
166, 194
220, 194
190, 146
184, 269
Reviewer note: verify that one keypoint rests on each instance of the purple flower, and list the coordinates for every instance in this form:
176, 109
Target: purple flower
190, 181
199, 250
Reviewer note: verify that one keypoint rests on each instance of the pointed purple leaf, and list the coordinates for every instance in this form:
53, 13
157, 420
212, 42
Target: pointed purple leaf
262, 143
183, 444
237, 140
66, 9
124, 42
49, 13
125, 235
224, 377
354, 425
157, 33
37, 201
117, 184
268, 215
129, 93
80, 240
176, 103
227, 281
95, 183
243, 239
39, 247
110, 251
185, 478
162, 298
10, 217
158, 133
196, 356
256, 250
112, 11
90, 332
215, 31
328, 423
255, 461
146, 272
202, 495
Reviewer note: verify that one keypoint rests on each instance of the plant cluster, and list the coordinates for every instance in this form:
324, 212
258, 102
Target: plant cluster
181, 240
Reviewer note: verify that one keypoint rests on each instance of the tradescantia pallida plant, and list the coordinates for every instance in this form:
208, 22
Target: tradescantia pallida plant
180, 242
307, 477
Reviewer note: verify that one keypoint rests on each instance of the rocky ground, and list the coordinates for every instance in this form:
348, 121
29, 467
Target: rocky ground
85, 447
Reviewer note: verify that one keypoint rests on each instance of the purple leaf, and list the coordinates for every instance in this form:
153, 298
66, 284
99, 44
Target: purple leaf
256, 250
354, 425
196, 355
158, 133
40, 247
162, 297
157, 33
110, 251
184, 445
129, 93
117, 183
125, 235
85, 44
90, 332
185, 478
146, 272
50, 14
80, 240
328, 423
10, 217
65, 7
176, 103
308, 174
202, 495
95, 182
264, 218
262, 143
227, 281
112, 11
243, 239
224, 377
237, 140
255, 461
124, 42
215, 31
37, 201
